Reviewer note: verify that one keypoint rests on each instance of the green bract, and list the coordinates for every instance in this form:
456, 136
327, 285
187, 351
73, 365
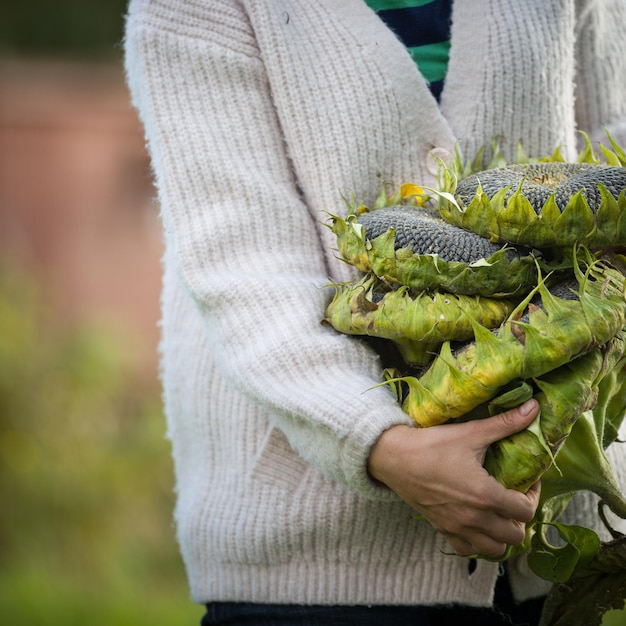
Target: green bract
550, 205
417, 323
564, 394
499, 274
513, 287
557, 331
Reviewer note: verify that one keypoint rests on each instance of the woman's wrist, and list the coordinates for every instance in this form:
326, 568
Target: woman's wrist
386, 452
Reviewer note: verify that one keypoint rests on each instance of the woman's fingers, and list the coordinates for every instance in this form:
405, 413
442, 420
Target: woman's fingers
439, 472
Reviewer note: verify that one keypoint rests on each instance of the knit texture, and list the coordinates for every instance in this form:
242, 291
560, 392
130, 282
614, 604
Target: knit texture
259, 116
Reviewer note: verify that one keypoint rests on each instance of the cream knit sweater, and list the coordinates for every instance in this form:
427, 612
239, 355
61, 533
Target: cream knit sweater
259, 116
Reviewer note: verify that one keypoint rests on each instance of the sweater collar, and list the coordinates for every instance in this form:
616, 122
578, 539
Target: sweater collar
378, 42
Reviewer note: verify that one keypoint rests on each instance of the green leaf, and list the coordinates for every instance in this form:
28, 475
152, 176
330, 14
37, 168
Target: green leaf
594, 595
557, 564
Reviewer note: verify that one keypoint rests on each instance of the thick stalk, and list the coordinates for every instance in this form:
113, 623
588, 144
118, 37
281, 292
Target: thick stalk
583, 465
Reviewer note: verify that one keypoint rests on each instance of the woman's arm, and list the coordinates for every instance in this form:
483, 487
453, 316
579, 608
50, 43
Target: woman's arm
246, 246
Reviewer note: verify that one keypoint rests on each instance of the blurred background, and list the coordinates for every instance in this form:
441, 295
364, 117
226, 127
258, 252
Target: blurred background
86, 487
86, 484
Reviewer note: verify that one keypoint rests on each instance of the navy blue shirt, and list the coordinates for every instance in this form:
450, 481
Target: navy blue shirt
423, 26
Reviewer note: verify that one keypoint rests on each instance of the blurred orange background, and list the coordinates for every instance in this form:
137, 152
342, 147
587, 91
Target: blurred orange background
86, 480
76, 198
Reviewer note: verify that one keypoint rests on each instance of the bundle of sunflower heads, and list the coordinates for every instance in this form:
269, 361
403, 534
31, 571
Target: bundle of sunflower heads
504, 283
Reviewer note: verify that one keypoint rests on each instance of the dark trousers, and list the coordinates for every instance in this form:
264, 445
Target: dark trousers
504, 613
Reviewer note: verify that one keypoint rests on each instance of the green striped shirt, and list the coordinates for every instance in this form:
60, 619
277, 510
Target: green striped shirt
424, 28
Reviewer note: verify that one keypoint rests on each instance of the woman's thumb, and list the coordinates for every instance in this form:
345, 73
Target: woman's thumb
510, 422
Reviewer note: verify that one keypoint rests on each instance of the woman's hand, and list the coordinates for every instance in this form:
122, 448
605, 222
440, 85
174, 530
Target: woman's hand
439, 472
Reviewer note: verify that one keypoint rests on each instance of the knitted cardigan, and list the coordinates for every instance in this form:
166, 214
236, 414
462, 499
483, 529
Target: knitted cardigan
260, 116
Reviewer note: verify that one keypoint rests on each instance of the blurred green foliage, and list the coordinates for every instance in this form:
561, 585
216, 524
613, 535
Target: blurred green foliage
615, 617
76, 28
85, 478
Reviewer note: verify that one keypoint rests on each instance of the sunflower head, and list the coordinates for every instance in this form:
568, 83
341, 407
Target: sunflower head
542, 203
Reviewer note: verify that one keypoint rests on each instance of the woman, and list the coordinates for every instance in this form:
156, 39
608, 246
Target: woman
297, 482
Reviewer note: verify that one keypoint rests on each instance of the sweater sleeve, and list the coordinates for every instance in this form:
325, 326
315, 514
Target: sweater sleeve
246, 247
601, 70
